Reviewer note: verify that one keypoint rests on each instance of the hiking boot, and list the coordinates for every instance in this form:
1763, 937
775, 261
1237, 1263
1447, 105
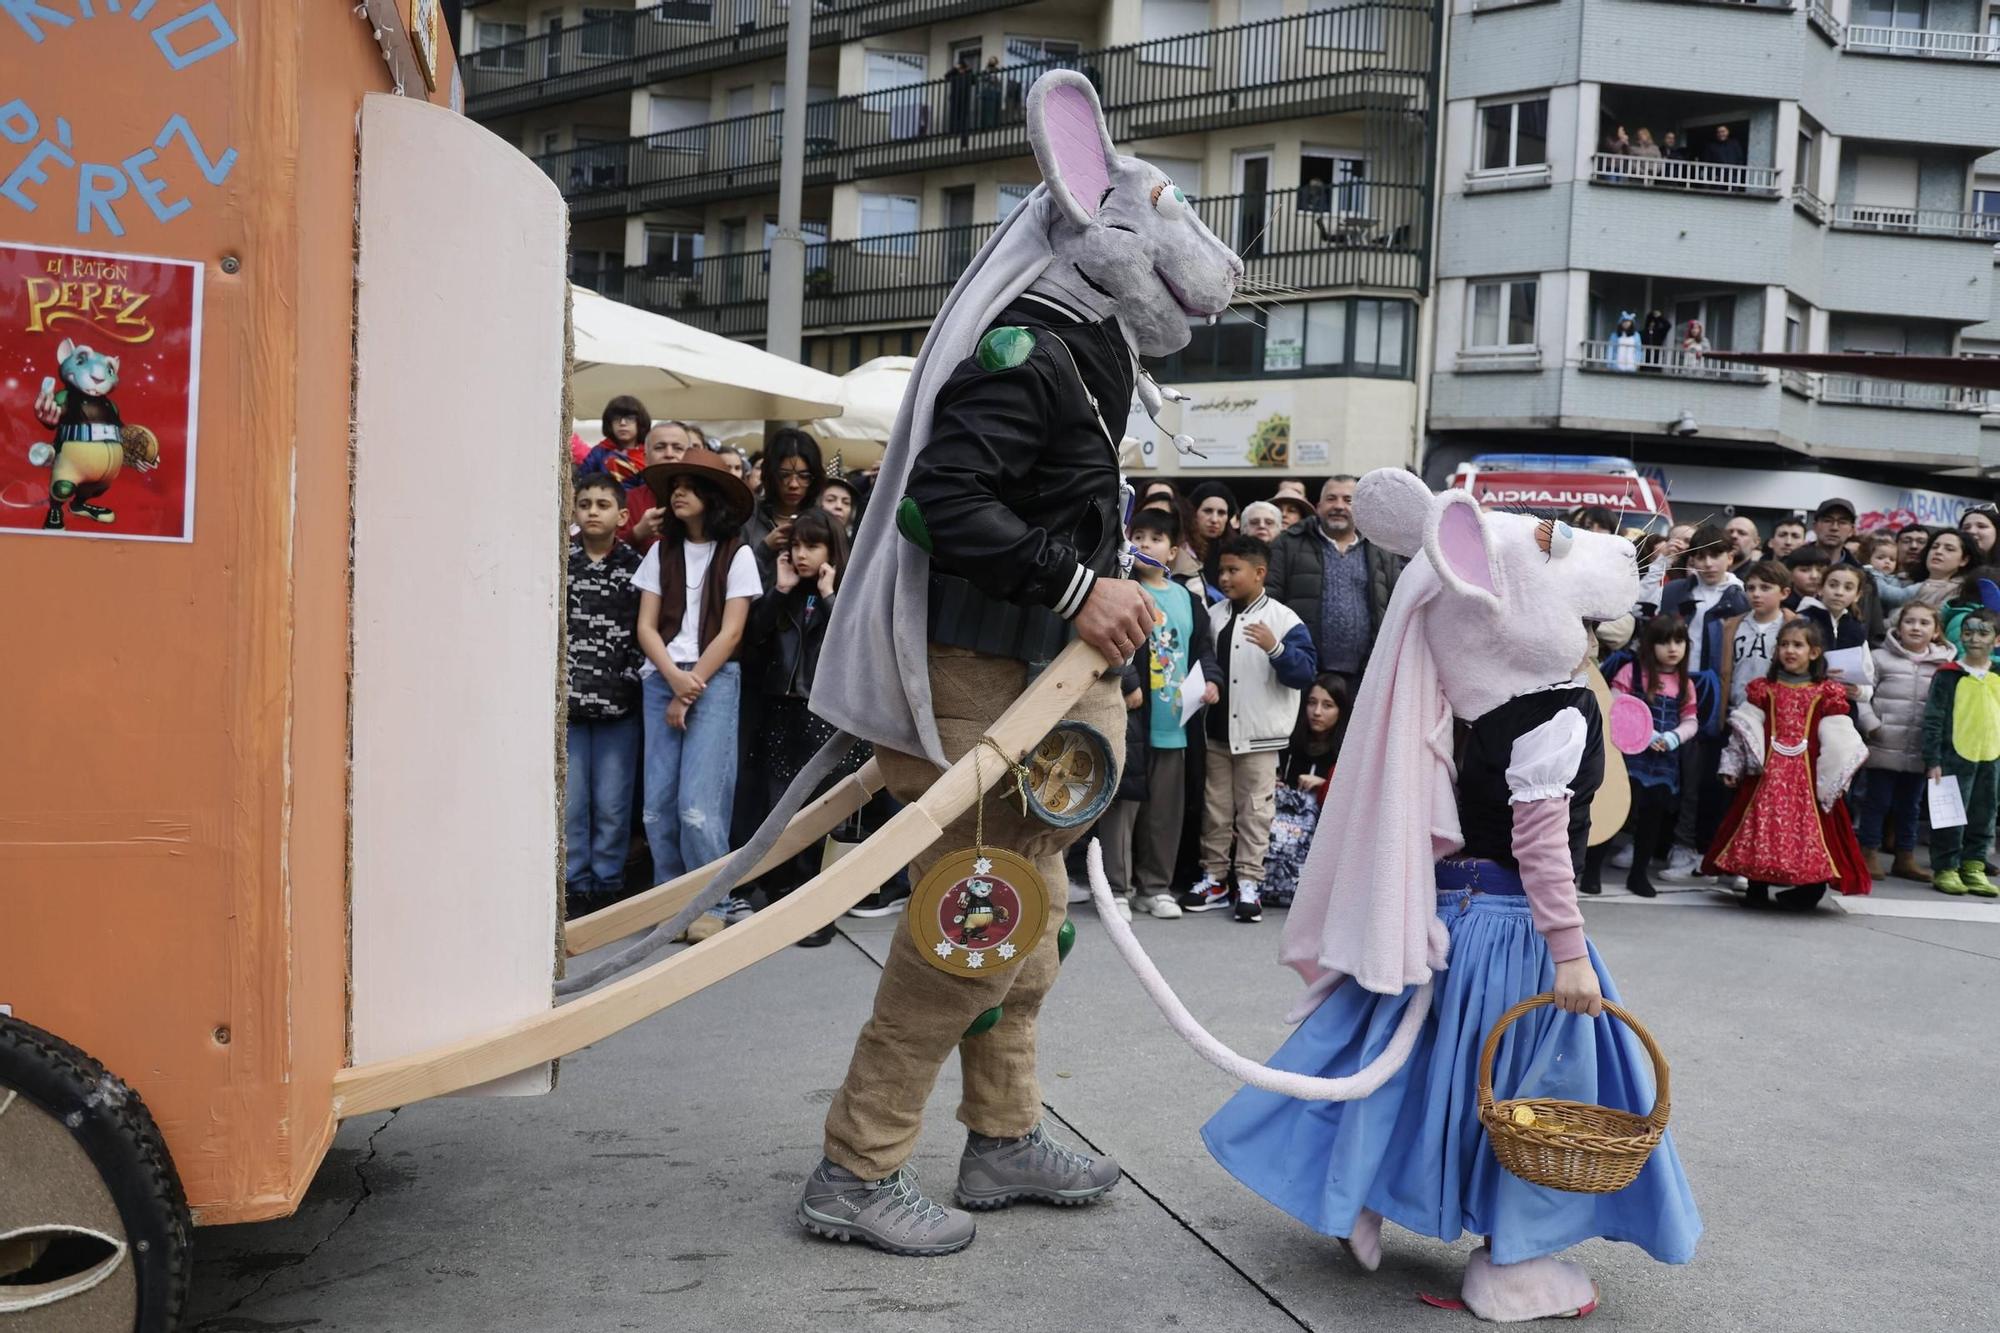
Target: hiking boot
1208, 894
1947, 881
891, 1213
1249, 902
995, 1172
1159, 905
1905, 867
1973, 875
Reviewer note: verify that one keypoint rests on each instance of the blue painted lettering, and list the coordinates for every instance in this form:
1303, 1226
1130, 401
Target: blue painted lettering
98, 186
26, 12
143, 8
17, 123
150, 189
221, 36
30, 170
215, 172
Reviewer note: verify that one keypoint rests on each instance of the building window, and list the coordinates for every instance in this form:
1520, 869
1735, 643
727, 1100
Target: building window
1381, 337
1986, 203
500, 46
672, 252
1513, 135
1333, 183
606, 33
599, 270
1174, 32
677, 124
1502, 315
894, 69
1344, 25
1348, 336
683, 11
887, 221
1011, 198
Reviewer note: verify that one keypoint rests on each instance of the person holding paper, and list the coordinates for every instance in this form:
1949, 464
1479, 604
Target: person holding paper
1962, 745
1893, 722
1141, 831
1837, 612
1792, 750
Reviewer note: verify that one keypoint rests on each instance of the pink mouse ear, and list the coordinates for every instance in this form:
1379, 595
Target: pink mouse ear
1072, 145
1457, 544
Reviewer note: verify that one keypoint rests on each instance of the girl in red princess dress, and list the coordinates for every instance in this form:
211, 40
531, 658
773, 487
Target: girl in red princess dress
1792, 751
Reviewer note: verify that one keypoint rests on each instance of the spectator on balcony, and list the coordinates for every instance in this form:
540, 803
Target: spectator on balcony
1653, 336
991, 91
1673, 150
1725, 152
1617, 145
1694, 343
1648, 153
1625, 353
958, 99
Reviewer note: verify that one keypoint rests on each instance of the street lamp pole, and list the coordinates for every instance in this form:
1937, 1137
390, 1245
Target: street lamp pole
786, 316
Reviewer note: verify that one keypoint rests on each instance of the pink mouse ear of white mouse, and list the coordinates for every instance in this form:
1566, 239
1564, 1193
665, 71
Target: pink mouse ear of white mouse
1072, 146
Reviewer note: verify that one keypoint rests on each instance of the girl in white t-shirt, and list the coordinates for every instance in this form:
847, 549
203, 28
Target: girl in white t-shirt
695, 590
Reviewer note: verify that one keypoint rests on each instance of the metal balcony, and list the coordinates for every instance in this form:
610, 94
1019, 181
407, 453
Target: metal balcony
1297, 239
1922, 43
1673, 174
1673, 362
1367, 56
1897, 221
674, 38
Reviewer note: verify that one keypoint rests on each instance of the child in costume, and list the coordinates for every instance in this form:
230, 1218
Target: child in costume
1437, 895
1795, 741
1657, 677
1893, 722
1962, 741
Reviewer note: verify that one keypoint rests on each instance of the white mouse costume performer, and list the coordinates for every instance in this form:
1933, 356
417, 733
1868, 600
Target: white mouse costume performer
994, 519
1441, 890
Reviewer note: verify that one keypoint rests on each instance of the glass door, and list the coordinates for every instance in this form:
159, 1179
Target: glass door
1253, 206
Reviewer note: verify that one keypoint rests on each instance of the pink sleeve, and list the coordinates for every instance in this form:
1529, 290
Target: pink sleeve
1621, 680
1541, 846
1687, 727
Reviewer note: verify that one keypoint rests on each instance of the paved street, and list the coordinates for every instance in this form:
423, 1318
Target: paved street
1833, 1085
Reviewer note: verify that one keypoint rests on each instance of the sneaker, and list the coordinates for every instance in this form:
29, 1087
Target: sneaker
891, 1213
705, 926
995, 1172
1682, 863
732, 910
1622, 858
1122, 905
1973, 875
1160, 905
1249, 903
1207, 895
885, 901
1947, 881
1078, 893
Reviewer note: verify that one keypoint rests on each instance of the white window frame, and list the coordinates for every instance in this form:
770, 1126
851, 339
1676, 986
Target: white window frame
1505, 286
1009, 189
906, 68
691, 137
596, 20
491, 35
870, 242
1513, 167
688, 243
1340, 191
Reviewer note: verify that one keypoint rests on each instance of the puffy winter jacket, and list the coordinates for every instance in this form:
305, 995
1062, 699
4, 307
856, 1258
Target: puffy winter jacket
1893, 721
1298, 569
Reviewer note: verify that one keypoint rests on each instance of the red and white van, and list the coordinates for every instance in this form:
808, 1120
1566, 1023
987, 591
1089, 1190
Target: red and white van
1555, 483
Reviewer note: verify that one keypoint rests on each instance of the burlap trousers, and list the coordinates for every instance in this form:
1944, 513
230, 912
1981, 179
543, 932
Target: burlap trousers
921, 1013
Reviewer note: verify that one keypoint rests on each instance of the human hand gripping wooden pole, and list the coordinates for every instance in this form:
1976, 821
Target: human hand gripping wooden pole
619, 1004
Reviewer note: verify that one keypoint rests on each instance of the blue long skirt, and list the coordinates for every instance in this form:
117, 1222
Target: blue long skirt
1414, 1151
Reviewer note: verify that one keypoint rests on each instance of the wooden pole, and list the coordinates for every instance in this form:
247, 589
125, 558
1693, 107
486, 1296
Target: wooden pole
660, 902
593, 1017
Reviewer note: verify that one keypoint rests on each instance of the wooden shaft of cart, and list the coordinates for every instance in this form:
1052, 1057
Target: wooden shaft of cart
593, 1017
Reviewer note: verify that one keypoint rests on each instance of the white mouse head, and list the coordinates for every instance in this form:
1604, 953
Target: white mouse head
1124, 226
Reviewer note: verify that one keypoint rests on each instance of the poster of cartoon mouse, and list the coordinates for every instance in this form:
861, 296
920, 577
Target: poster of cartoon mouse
99, 365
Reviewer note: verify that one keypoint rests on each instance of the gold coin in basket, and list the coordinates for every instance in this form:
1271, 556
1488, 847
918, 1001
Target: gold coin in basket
1565, 1145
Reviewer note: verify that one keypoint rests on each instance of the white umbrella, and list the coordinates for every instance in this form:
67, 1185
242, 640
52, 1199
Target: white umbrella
679, 371
871, 394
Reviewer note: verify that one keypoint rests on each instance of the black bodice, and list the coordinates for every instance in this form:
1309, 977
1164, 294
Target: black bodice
1486, 750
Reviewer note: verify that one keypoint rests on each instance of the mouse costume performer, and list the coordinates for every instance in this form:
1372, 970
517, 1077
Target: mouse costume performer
1440, 892
995, 516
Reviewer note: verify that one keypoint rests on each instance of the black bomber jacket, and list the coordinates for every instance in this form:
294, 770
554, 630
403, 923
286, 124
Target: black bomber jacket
1018, 489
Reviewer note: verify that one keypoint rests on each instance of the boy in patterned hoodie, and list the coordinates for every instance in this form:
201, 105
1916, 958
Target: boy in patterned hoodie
603, 687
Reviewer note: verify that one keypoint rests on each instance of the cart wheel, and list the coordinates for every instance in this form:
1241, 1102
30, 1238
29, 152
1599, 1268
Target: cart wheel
94, 1229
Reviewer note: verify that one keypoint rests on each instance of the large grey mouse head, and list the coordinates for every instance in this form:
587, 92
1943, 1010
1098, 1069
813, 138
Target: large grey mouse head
1515, 590
1122, 223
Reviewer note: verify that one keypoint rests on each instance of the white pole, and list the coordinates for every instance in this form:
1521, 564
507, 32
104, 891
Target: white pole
786, 315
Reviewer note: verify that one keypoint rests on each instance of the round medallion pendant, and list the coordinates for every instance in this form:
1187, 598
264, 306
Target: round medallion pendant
978, 911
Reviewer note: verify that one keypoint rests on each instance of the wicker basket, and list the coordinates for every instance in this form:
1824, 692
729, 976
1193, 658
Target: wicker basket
1571, 1146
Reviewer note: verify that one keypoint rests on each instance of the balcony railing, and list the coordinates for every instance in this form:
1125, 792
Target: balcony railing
1854, 391
1675, 174
1294, 238
1365, 55
675, 37
1604, 355
1811, 204
1947, 223
1820, 16
1923, 43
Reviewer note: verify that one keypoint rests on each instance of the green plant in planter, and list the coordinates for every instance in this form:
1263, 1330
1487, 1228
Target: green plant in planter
819, 282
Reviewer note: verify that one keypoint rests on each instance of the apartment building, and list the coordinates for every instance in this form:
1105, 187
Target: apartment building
1302, 129
1828, 188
